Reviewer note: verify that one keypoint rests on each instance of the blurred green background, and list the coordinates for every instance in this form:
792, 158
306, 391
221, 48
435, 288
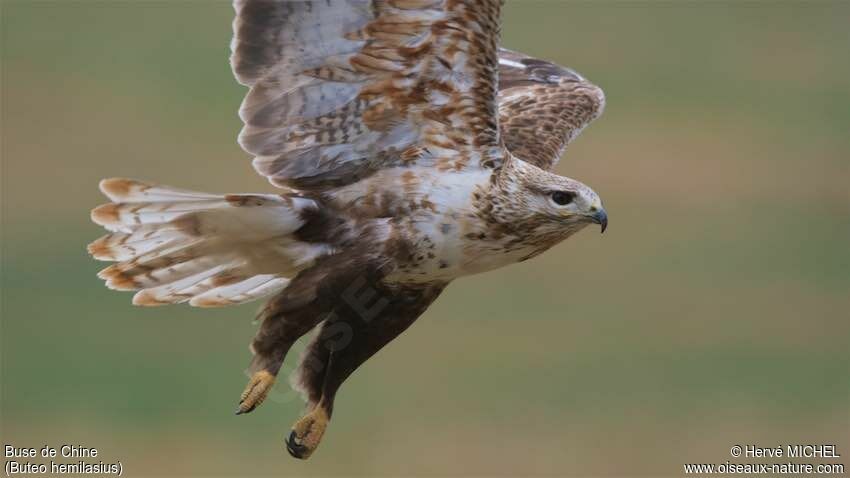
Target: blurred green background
715, 310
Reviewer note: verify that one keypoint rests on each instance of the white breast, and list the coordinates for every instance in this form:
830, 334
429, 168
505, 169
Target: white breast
435, 211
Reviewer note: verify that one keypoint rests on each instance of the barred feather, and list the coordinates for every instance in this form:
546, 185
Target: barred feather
339, 89
543, 107
176, 246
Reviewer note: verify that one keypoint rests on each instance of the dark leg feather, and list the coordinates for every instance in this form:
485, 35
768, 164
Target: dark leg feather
285, 318
368, 317
279, 330
309, 299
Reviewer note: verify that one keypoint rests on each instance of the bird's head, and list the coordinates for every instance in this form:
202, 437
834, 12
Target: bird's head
568, 201
552, 206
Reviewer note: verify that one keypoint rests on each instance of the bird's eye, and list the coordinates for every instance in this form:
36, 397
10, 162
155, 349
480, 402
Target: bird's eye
562, 198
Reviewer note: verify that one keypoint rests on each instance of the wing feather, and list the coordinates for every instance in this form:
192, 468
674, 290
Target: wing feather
543, 107
343, 88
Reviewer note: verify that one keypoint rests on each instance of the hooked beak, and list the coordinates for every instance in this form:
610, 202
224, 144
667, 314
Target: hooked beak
600, 217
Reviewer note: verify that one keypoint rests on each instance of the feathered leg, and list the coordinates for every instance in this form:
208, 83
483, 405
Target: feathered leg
308, 300
285, 318
280, 328
369, 317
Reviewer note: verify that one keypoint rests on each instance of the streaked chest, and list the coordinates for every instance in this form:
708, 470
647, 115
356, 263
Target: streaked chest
436, 215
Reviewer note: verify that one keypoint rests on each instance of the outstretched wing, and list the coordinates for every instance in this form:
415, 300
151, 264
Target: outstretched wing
343, 88
542, 107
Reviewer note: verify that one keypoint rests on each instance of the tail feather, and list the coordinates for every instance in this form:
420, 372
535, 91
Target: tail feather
120, 246
242, 291
121, 190
180, 290
123, 215
173, 245
134, 274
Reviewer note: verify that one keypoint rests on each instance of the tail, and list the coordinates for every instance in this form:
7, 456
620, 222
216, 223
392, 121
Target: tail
209, 250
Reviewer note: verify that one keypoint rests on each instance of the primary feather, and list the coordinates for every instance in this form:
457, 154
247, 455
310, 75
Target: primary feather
342, 89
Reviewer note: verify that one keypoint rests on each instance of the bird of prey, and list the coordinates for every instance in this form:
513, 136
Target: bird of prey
410, 150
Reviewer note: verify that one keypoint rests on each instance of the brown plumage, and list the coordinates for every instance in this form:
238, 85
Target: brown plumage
542, 107
412, 151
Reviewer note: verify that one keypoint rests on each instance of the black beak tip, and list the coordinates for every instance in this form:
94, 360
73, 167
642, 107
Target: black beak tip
601, 218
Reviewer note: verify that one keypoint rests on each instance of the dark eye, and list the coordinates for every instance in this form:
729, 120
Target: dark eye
562, 198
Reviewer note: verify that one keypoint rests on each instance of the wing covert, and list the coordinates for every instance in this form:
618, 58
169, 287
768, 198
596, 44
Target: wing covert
343, 88
543, 107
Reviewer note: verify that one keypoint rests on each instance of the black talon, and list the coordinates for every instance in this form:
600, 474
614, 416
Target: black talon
239, 410
293, 448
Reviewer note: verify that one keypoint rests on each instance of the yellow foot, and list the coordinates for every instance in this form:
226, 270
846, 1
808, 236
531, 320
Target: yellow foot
307, 433
256, 391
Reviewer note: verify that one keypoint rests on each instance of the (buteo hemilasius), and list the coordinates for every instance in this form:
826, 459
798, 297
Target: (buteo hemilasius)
411, 150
